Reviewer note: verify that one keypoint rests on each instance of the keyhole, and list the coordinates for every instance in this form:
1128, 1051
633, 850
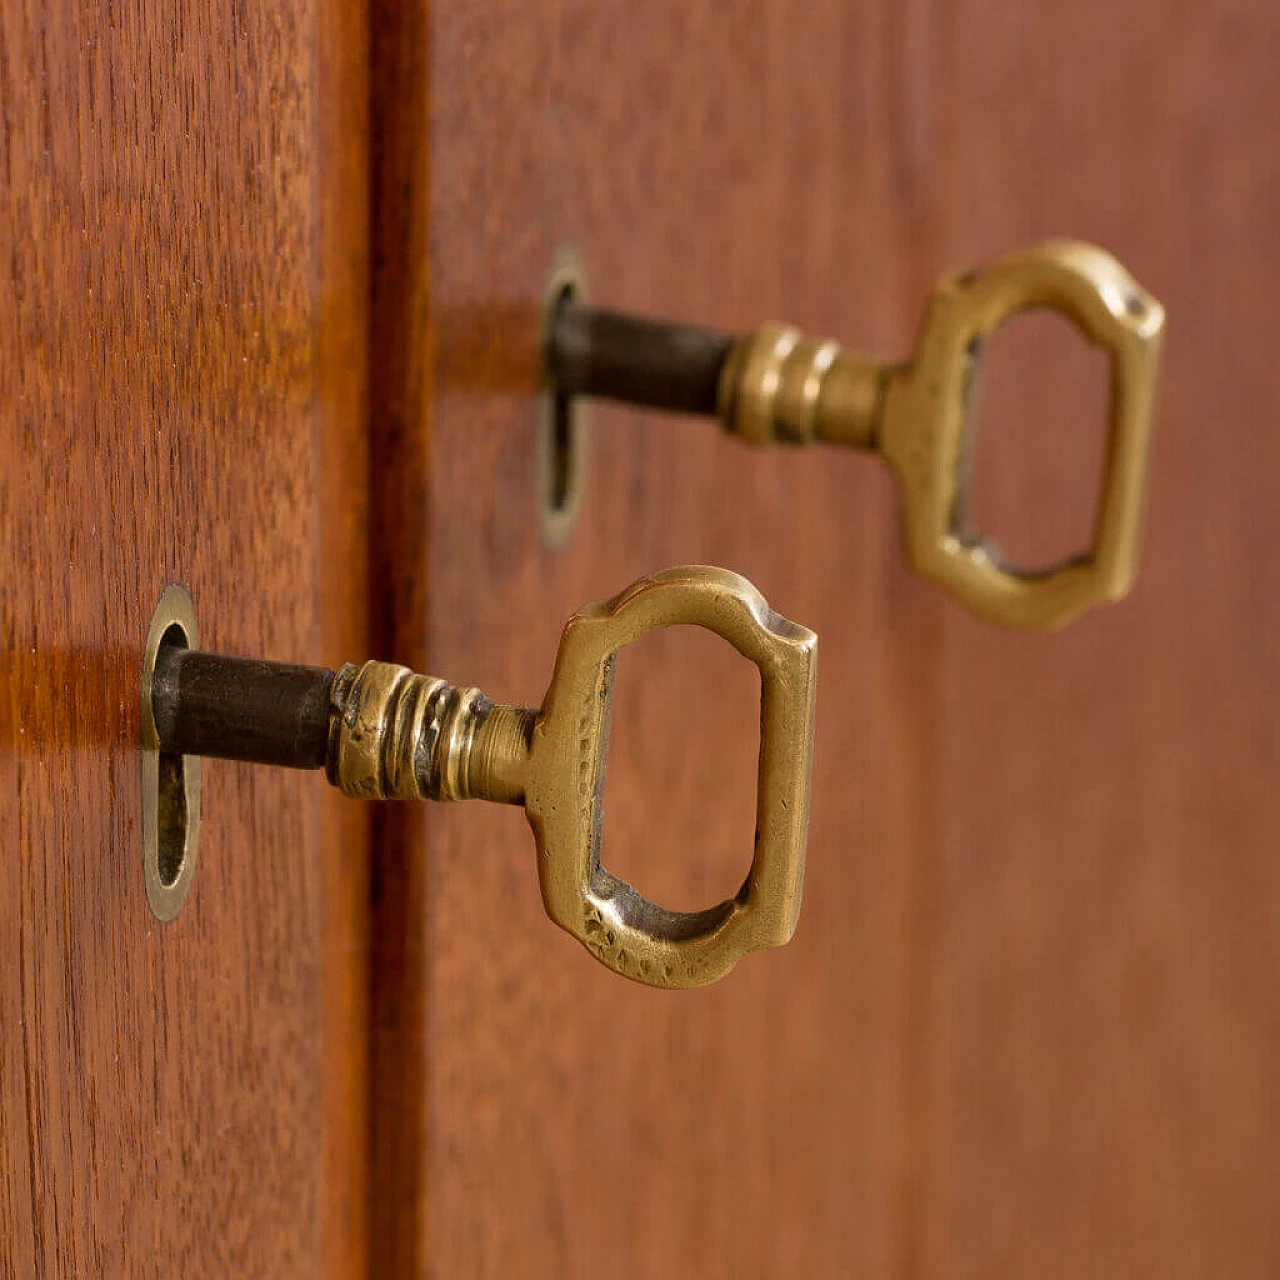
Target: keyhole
170, 782
172, 816
562, 433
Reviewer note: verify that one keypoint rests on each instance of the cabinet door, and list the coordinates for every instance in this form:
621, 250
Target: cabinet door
1026, 1024
730, 164
182, 195
270, 282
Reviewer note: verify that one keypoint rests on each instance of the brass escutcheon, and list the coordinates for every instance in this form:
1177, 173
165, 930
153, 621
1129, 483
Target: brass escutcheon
170, 780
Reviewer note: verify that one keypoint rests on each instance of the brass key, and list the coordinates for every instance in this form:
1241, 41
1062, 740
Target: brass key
383, 733
776, 386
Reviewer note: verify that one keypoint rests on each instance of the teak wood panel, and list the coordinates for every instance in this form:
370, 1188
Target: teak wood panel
721, 163
1098, 1015
1026, 1025
182, 339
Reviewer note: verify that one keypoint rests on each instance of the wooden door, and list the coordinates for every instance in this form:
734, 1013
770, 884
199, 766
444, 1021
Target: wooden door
269, 327
182, 336
1026, 1025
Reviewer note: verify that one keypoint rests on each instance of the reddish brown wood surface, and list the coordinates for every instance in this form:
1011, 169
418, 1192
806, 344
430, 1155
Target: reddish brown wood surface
1027, 1024
1098, 1020
711, 164
182, 292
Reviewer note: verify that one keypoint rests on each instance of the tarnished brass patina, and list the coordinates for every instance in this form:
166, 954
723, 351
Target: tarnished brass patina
778, 386
396, 735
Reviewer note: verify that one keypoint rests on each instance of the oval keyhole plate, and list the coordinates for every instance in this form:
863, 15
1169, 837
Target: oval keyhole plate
170, 782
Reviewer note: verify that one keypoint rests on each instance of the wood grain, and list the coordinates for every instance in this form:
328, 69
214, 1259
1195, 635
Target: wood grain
1025, 1027
1098, 1021
709, 163
182, 196
1028, 1022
